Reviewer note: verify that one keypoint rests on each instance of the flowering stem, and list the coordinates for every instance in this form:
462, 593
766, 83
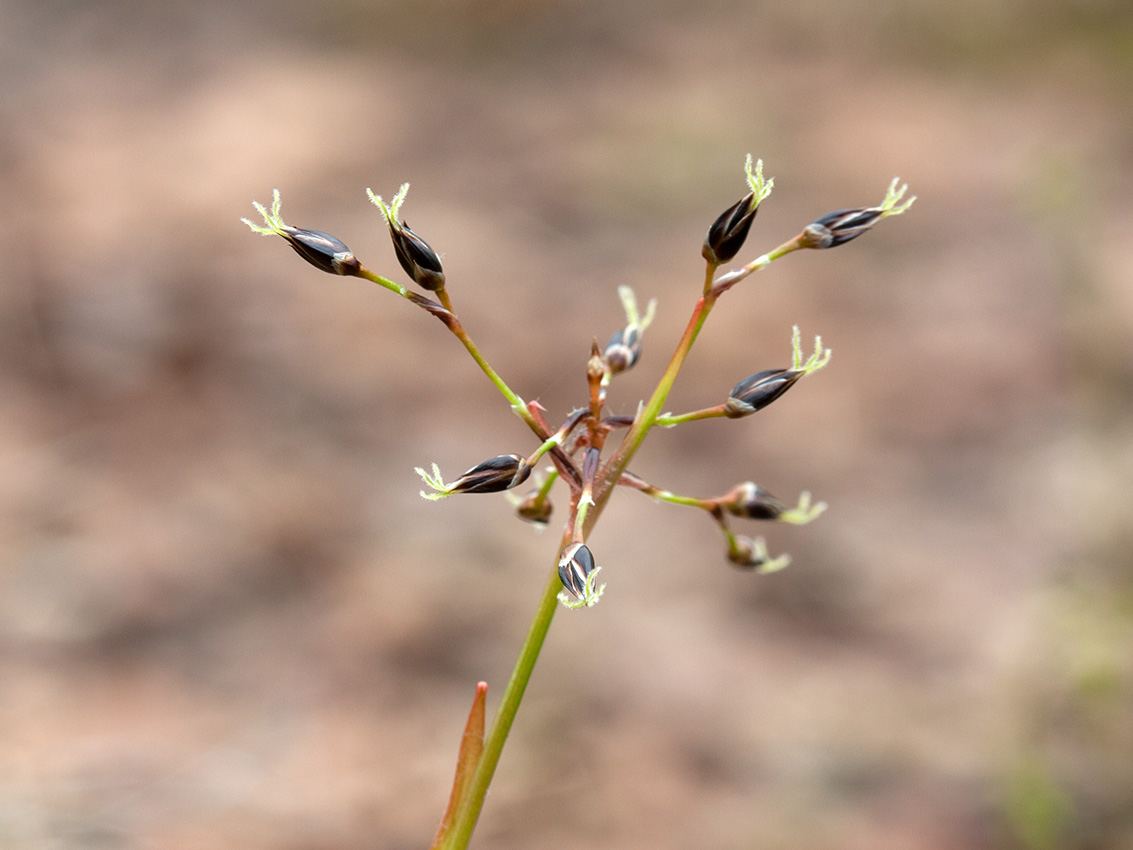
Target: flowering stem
469, 811
582, 521
648, 415
592, 485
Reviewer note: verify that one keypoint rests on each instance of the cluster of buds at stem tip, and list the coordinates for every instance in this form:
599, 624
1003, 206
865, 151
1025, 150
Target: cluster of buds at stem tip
418, 259
577, 572
757, 391
727, 234
491, 476
321, 250
839, 227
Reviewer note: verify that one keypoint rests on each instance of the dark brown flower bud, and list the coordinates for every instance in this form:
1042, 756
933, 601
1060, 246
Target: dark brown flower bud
534, 509
743, 553
575, 564
757, 391
419, 260
727, 234
321, 250
623, 349
839, 227
492, 476
751, 501
748, 554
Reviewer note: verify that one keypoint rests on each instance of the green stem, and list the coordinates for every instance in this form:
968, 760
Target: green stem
709, 273
690, 501
469, 811
545, 490
652, 410
443, 311
518, 405
727, 281
669, 419
648, 415
384, 281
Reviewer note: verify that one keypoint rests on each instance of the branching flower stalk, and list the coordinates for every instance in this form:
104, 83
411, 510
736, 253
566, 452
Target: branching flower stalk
575, 447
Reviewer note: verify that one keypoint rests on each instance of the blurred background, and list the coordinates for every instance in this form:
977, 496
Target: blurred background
227, 619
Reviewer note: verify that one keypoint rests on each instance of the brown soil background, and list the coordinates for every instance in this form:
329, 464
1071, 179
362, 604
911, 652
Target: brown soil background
226, 618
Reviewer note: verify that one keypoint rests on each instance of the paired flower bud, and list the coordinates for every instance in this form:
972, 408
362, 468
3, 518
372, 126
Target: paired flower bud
576, 563
757, 391
839, 227
623, 349
742, 552
492, 476
321, 250
751, 501
749, 554
419, 260
535, 509
727, 234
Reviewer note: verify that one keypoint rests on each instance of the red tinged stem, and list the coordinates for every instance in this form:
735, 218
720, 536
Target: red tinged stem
467, 760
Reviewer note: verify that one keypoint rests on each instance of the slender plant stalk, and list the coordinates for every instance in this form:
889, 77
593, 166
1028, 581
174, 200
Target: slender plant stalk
469, 811
443, 311
518, 405
652, 409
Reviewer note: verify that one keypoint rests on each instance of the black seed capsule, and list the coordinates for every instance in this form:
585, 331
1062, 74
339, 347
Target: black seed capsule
322, 250
727, 234
743, 554
751, 501
757, 391
623, 349
575, 564
492, 476
839, 227
535, 510
418, 259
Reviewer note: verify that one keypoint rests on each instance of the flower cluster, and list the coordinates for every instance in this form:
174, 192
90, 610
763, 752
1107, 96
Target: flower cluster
576, 451
575, 455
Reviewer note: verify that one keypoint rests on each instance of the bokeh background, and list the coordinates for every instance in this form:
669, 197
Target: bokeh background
227, 619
